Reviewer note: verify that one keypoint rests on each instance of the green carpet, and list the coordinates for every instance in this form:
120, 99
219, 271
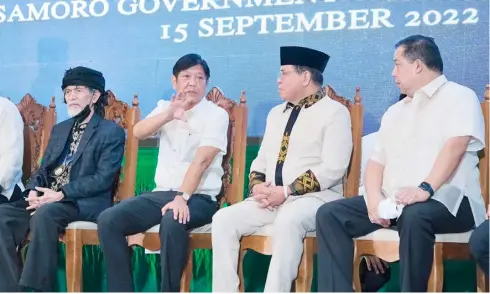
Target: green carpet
459, 276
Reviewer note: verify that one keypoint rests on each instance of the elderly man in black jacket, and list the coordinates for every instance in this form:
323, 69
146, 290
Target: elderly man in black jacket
75, 182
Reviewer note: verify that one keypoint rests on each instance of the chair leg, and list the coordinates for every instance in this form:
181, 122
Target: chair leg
305, 270
357, 264
73, 243
185, 282
436, 279
241, 287
481, 281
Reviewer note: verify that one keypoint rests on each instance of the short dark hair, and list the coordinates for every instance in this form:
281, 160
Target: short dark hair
316, 75
422, 48
188, 61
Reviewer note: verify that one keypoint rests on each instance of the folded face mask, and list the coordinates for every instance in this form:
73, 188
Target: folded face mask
388, 209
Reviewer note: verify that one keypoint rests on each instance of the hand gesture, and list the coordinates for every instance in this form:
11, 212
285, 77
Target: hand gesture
49, 196
180, 209
33, 200
178, 105
275, 198
372, 208
411, 195
376, 264
260, 192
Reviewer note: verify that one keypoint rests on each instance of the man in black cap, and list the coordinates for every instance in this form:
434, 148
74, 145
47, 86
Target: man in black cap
74, 183
303, 157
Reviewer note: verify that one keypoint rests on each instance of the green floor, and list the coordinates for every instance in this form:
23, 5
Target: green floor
459, 276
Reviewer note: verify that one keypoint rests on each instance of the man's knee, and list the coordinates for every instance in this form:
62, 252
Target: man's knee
5, 227
169, 225
43, 215
479, 241
290, 225
107, 219
223, 220
326, 212
414, 217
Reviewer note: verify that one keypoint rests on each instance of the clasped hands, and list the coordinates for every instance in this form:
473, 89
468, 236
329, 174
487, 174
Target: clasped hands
49, 196
405, 196
268, 196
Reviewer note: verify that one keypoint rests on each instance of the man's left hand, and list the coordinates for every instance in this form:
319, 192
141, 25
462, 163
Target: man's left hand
411, 195
49, 196
180, 209
275, 198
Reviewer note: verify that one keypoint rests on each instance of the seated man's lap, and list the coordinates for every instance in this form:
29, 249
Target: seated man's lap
300, 211
62, 212
246, 214
441, 219
140, 213
201, 209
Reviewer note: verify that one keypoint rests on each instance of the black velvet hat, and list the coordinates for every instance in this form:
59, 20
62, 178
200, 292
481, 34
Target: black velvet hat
84, 76
302, 56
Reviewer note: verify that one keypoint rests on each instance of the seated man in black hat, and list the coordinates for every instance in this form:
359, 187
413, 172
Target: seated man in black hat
75, 182
303, 157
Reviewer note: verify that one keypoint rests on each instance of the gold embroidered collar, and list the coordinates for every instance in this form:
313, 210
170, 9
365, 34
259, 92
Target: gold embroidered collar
308, 100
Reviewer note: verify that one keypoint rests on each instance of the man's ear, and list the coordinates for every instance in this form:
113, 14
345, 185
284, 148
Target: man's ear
419, 66
96, 97
306, 78
174, 82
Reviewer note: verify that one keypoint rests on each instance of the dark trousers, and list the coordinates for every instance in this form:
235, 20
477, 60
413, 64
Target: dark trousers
16, 195
372, 281
41, 261
338, 222
139, 214
479, 246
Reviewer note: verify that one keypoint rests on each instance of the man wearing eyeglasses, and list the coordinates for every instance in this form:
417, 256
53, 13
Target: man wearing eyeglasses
302, 160
74, 183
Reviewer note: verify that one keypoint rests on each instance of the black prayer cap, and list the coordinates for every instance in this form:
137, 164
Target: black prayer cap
84, 76
302, 56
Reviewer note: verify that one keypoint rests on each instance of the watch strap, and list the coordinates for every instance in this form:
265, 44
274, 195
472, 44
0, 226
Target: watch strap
427, 187
184, 195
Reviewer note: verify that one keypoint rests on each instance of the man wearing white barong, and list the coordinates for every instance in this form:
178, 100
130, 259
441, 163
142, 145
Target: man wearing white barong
11, 152
421, 179
301, 163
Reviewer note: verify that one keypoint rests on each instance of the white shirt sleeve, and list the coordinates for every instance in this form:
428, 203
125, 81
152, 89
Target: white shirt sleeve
259, 164
368, 142
161, 106
378, 152
11, 145
336, 150
465, 118
216, 132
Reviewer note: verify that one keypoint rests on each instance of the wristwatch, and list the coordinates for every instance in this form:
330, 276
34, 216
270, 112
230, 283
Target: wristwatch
427, 187
184, 195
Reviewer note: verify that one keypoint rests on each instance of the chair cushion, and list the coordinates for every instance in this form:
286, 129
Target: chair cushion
201, 230
206, 229
81, 225
379, 235
392, 235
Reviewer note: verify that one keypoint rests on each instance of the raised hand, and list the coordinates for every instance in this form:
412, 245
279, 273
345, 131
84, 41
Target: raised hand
179, 104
